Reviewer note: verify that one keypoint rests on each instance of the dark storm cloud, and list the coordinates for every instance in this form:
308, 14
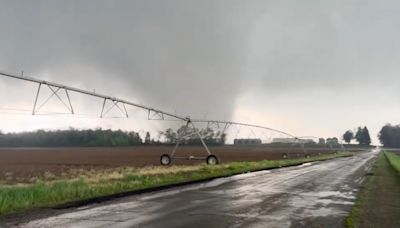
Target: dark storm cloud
326, 45
178, 54
208, 57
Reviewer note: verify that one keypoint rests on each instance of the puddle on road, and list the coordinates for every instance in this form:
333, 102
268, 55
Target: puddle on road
335, 194
210, 184
323, 203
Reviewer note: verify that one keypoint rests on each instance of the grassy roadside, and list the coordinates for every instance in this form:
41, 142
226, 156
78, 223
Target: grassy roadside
21, 197
378, 202
394, 160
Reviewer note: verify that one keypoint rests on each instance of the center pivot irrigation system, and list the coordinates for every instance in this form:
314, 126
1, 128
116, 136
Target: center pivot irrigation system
153, 114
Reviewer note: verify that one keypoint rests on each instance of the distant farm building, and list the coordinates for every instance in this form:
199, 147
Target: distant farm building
283, 140
332, 141
292, 140
247, 141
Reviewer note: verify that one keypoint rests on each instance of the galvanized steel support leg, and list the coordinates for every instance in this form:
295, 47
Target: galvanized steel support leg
102, 110
69, 101
201, 139
175, 148
303, 148
179, 139
36, 99
198, 134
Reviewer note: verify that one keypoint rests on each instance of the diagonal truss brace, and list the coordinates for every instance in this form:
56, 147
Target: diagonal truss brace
252, 134
115, 104
212, 125
155, 115
181, 137
54, 91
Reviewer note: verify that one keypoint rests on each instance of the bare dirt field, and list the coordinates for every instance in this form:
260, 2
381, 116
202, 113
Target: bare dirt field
23, 164
316, 195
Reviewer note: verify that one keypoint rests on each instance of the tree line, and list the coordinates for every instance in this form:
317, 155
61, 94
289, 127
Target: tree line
99, 137
361, 136
70, 138
389, 136
190, 136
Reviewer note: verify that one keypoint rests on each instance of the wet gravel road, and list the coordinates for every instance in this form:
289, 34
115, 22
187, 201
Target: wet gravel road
316, 194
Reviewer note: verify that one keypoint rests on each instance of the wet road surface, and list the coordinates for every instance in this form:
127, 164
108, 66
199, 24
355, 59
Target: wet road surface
316, 194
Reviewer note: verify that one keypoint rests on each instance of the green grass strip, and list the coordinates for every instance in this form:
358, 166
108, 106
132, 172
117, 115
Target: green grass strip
356, 214
378, 202
18, 198
394, 160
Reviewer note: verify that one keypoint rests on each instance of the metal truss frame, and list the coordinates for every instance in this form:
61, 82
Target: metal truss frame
114, 105
182, 136
153, 114
54, 92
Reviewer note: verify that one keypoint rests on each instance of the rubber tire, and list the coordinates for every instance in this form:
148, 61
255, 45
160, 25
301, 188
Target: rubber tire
165, 156
285, 156
212, 157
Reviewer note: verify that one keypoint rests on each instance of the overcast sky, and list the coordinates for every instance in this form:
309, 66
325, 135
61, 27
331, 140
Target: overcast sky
307, 67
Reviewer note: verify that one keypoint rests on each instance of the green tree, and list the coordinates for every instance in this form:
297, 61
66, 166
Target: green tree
362, 136
190, 136
147, 139
367, 138
348, 136
222, 139
389, 136
359, 135
170, 135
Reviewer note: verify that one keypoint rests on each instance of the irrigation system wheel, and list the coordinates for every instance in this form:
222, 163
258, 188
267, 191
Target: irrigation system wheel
165, 159
212, 160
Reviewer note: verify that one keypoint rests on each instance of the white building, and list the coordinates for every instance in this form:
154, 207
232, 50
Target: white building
292, 140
